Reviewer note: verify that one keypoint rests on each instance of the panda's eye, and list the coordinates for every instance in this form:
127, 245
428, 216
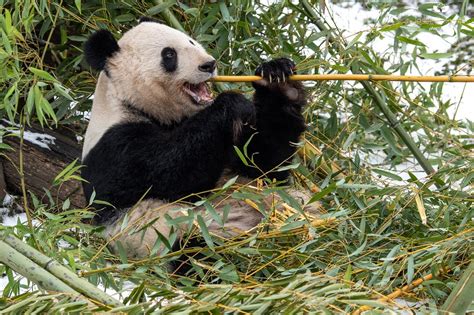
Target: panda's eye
170, 54
169, 59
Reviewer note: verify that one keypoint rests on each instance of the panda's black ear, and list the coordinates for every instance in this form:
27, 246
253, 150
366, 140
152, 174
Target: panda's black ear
100, 46
147, 19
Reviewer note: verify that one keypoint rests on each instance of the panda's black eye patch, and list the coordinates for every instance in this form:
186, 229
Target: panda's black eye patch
192, 43
169, 59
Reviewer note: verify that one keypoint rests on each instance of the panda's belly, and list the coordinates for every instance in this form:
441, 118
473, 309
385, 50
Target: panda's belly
241, 218
139, 242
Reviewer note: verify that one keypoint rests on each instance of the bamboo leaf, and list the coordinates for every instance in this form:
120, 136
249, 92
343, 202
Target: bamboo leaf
421, 208
160, 7
461, 297
387, 174
410, 41
241, 156
205, 232
42, 74
436, 55
78, 4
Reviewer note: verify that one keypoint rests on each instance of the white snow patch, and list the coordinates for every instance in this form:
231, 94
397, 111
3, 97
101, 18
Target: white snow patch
8, 200
14, 219
40, 139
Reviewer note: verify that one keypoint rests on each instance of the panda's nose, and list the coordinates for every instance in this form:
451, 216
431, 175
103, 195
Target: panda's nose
209, 66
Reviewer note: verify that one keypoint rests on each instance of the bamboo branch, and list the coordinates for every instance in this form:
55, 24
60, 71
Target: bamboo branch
55, 270
351, 77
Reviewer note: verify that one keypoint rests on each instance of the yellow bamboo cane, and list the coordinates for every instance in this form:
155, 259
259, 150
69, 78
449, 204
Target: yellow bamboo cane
352, 77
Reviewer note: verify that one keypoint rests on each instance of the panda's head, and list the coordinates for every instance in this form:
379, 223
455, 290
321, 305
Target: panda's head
154, 68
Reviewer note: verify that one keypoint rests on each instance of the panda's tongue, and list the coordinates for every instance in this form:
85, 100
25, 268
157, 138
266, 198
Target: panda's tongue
199, 92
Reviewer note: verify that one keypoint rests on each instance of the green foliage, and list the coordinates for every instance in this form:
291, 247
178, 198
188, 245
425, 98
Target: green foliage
374, 239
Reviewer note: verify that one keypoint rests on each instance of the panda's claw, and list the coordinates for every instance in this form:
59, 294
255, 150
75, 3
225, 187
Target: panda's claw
277, 71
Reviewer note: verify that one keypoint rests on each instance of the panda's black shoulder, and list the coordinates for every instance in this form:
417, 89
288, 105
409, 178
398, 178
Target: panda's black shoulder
131, 132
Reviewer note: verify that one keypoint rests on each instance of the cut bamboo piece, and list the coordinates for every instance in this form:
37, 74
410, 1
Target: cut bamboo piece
29, 269
65, 275
351, 77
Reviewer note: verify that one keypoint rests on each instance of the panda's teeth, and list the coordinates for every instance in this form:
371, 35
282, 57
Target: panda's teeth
198, 92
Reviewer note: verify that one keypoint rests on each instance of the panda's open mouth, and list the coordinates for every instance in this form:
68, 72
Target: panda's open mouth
199, 93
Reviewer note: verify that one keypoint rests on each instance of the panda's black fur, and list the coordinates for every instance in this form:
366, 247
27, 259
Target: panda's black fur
169, 161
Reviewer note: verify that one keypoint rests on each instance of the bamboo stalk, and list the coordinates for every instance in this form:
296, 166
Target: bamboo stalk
29, 269
351, 77
72, 280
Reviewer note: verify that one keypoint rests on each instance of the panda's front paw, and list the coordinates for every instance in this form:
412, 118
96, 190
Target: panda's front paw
276, 71
275, 81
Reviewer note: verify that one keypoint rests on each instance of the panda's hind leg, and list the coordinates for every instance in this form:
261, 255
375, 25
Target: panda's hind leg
136, 232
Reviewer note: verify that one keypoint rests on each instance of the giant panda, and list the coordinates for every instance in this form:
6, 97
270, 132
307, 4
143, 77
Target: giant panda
157, 139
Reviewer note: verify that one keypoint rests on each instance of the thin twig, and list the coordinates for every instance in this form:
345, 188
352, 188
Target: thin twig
22, 174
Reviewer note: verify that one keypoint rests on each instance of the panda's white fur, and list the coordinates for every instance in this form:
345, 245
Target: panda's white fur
134, 75
148, 85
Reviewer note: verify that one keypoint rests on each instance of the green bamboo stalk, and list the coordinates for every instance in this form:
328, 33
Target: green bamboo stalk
389, 115
29, 269
64, 274
463, 293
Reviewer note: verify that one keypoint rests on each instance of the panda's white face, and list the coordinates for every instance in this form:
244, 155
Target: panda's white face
161, 71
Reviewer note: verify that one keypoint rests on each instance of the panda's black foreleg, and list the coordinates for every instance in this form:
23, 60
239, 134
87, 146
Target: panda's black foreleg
136, 158
192, 159
279, 121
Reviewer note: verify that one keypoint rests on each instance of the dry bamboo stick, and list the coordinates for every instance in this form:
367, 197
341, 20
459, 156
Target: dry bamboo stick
351, 77
395, 294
